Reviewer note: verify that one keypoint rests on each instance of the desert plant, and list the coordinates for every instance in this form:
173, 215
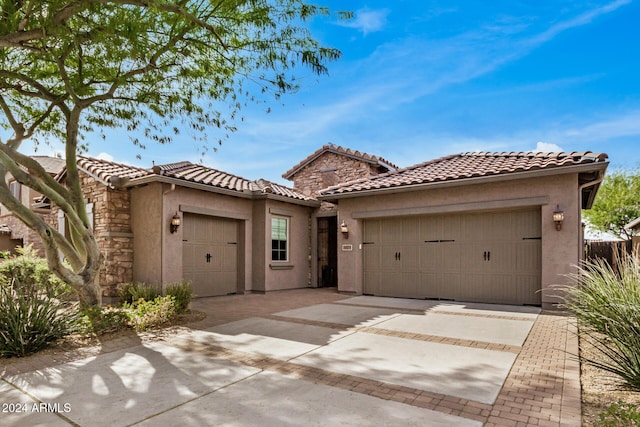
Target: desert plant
132, 292
607, 307
182, 293
102, 320
144, 314
620, 414
28, 269
30, 320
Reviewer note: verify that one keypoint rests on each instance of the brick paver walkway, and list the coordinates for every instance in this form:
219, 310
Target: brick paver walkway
542, 389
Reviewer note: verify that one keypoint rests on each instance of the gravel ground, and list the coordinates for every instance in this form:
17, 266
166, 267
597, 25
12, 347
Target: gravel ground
599, 389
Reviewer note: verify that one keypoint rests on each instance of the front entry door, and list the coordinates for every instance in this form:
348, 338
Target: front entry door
327, 251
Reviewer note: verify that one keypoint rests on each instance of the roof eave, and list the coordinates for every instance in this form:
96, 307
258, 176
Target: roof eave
245, 194
589, 167
290, 200
135, 182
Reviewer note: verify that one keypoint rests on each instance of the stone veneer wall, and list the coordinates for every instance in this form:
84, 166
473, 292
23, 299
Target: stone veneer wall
331, 169
111, 226
20, 231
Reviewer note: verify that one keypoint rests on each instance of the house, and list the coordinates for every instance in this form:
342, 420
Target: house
234, 235
486, 227
327, 166
13, 232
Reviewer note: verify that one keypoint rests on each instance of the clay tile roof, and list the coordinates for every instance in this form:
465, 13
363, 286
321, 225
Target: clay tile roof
332, 148
467, 165
52, 165
203, 175
268, 187
104, 169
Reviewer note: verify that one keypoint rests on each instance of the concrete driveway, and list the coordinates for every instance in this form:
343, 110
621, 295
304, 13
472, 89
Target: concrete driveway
313, 357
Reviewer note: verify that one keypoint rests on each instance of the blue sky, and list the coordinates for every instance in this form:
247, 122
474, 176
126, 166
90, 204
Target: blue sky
420, 79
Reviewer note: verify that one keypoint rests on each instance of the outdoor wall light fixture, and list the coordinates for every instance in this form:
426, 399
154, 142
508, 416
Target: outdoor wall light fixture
344, 229
175, 223
558, 217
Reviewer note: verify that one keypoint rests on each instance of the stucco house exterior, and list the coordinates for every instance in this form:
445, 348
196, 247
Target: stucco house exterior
472, 227
486, 227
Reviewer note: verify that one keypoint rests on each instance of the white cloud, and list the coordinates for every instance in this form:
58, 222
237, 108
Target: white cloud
545, 147
368, 21
105, 156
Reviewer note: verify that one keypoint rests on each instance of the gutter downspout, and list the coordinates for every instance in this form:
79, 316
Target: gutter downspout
163, 234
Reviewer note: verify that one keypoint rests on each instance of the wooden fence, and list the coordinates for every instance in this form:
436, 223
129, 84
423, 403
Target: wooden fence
608, 251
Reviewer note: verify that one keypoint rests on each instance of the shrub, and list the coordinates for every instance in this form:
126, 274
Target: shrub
607, 306
145, 314
132, 292
102, 320
27, 269
620, 414
181, 292
30, 320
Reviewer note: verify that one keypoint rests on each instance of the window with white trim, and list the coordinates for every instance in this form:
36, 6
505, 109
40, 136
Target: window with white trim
279, 239
15, 188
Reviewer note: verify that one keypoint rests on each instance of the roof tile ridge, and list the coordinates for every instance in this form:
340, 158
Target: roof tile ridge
110, 162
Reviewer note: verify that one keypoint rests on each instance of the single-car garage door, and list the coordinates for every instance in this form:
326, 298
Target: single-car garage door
209, 254
492, 257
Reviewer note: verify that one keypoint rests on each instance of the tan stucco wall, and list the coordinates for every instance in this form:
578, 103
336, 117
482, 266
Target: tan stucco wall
560, 249
295, 273
146, 225
213, 204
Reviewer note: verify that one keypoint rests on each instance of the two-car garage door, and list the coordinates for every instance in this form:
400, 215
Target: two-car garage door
492, 257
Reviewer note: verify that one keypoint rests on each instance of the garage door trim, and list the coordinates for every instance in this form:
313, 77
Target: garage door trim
531, 202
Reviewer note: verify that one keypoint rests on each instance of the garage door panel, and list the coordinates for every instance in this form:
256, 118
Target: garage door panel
529, 256
428, 285
473, 256
487, 257
391, 230
430, 258
448, 286
372, 231
409, 258
371, 257
501, 257
372, 282
389, 258
451, 256
209, 254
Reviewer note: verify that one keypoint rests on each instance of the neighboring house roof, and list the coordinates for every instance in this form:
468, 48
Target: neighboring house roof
104, 170
465, 166
331, 148
52, 165
633, 224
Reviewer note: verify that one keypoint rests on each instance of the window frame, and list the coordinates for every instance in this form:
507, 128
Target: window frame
278, 249
16, 189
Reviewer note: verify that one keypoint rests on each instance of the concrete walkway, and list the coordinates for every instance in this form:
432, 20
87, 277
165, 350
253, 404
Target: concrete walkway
313, 357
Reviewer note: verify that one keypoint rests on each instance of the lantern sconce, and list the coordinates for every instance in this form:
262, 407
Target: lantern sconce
175, 223
558, 217
344, 229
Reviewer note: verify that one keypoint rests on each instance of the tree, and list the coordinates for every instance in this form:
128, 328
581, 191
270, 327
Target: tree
69, 67
617, 204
